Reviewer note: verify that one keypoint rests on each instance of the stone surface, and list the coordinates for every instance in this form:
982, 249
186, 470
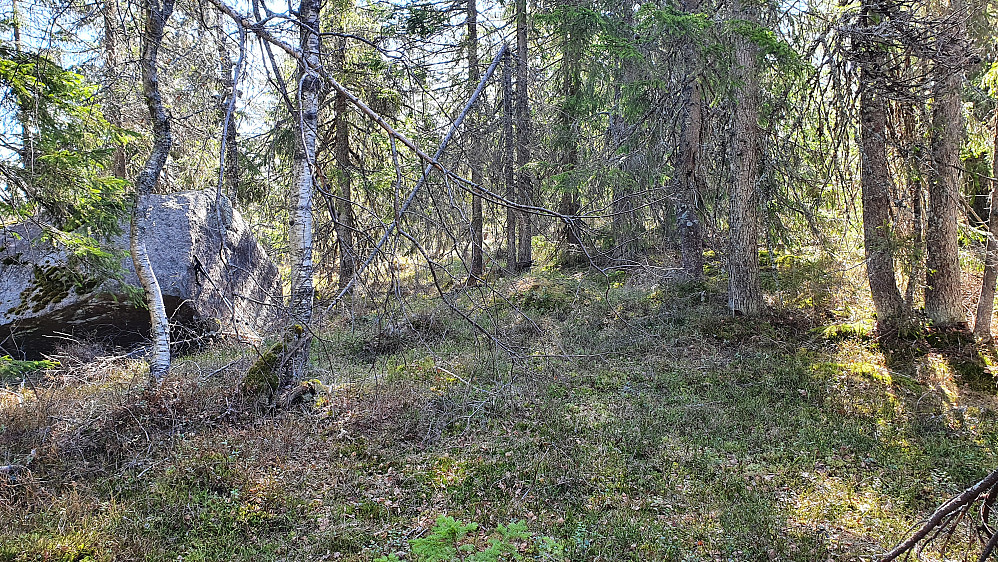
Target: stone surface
214, 280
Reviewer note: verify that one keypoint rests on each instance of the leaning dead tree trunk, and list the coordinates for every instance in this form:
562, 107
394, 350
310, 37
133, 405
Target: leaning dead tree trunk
744, 290
986, 304
943, 298
299, 337
156, 16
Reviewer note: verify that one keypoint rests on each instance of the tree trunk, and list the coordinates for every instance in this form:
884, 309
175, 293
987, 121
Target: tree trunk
876, 194
687, 169
943, 301
744, 291
474, 76
624, 226
227, 83
876, 185
917, 243
345, 223
523, 132
156, 16
570, 89
112, 105
509, 162
298, 339
914, 176
24, 115
985, 306
688, 186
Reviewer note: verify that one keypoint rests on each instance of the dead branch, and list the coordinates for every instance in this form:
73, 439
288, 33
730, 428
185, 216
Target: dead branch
943, 514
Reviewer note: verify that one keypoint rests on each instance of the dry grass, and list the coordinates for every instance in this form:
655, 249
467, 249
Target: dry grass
640, 423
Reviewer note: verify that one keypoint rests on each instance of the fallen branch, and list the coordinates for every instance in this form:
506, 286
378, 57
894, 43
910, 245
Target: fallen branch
942, 515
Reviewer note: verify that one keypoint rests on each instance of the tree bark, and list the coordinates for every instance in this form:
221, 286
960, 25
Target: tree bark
916, 253
876, 194
302, 289
112, 105
687, 169
345, 223
475, 151
24, 115
227, 83
624, 226
986, 304
943, 300
688, 188
524, 183
509, 162
876, 183
744, 291
156, 16
571, 86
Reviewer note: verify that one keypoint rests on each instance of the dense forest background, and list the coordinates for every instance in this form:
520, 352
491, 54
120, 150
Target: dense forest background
652, 280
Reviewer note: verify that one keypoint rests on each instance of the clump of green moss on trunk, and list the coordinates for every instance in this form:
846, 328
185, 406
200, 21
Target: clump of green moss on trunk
262, 379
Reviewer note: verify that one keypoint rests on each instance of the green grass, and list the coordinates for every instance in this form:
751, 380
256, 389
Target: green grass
639, 422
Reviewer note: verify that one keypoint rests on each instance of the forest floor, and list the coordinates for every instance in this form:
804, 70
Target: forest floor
639, 422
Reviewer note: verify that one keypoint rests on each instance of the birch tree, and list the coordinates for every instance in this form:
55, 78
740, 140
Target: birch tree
309, 92
156, 15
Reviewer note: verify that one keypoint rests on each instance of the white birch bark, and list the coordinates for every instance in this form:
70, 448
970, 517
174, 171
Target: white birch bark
302, 289
156, 16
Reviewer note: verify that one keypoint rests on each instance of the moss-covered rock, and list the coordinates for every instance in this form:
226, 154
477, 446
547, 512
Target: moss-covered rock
51, 285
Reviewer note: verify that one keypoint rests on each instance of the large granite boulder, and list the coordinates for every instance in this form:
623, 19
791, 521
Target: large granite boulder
214, 280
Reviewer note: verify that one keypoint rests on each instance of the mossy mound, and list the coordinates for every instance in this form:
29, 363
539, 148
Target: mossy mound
541, 294
845, 331
263, 378
975, 372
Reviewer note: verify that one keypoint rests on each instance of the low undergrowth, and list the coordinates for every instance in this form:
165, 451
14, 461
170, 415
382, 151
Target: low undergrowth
638, 421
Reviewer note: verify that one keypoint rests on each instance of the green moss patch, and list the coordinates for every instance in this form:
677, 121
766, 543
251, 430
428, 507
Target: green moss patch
51, 285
